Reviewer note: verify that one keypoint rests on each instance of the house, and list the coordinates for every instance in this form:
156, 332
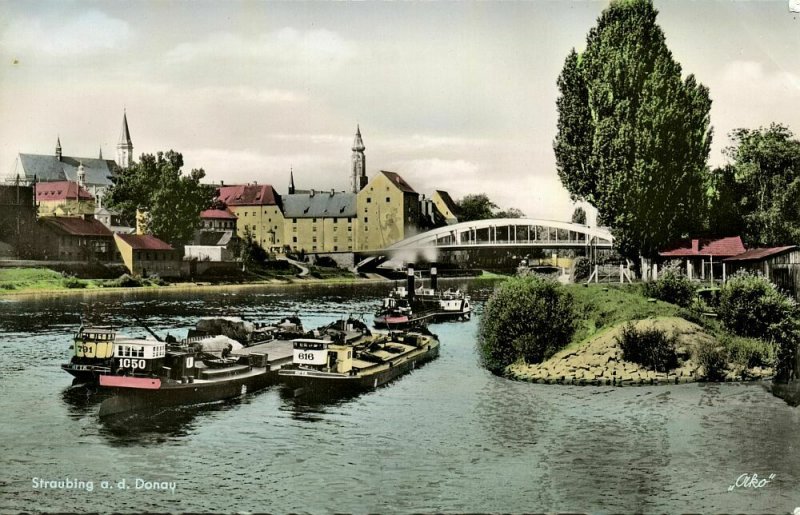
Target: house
144, 254
388, 210
112, 220
446, 206
781, 265
63, 198
257, 208
703, 257
320, 221
75, 239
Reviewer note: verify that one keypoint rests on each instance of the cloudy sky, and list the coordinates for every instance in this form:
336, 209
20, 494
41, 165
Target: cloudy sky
456, 96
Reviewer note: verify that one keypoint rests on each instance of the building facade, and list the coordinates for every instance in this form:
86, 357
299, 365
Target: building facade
320, 221
63, 198
75, 239
257, 208
146, 255
388, 210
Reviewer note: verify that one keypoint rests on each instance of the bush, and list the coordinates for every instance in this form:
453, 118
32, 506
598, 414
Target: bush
749, 352
125, 281
526, 317
73, 283
156, 280
671, 286
326, 261
750, 305
581, 269
713, 357
650, 347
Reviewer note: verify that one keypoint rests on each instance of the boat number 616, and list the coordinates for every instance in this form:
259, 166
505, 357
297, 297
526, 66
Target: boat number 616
131, 363
305, 356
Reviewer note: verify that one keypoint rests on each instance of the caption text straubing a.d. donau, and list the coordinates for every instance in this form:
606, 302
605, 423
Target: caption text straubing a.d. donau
88, 485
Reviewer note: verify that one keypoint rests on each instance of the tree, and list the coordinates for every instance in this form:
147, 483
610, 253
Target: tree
633, 137
579, 216
510, 213
157, 185
475, 207
757, 194
251, 252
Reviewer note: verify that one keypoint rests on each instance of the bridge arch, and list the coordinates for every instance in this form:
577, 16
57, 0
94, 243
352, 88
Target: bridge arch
509, 232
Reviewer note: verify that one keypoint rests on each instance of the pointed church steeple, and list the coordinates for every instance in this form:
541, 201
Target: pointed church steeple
100, 154
58, 148
291, 181
125, 145
359, 173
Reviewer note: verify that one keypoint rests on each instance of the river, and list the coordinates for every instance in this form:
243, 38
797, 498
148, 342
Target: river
448, 437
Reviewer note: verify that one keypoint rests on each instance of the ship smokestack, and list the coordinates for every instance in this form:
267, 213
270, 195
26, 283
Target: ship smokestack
410, 285
434, 278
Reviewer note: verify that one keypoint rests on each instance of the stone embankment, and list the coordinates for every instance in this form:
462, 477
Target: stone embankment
600, 362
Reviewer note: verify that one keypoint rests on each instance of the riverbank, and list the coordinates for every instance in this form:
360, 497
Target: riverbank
595, 356
599, 360
53, 283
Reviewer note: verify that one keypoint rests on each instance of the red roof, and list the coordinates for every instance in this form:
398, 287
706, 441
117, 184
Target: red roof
144, 242
757, 254
61, 190
398, 181
217, 214
76, 226
248, 195
720, 247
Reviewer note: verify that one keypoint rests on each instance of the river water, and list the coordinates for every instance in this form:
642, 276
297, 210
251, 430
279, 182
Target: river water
448, 437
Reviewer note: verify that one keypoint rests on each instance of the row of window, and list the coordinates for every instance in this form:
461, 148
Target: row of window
335, 220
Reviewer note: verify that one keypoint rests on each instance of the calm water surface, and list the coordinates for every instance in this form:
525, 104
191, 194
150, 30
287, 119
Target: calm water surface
449, 437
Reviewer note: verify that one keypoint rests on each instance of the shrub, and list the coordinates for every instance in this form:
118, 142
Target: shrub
749, 352
650, 347
713, 357
73, 283
581, 269
326, 261
671, 286
750, 305
526, 317
8, 286
155, 280
125, 281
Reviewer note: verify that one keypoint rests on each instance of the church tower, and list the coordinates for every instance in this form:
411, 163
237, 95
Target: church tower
125, 146
359, 173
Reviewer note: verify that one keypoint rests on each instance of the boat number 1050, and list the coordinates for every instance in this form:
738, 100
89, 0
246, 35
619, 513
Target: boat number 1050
131, 363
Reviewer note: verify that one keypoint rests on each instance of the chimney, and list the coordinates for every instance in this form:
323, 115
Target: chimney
695, 246
222, 183
434, 279
332, 192
312, 192
410, 284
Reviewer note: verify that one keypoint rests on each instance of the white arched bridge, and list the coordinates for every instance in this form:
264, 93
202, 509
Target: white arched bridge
510, 232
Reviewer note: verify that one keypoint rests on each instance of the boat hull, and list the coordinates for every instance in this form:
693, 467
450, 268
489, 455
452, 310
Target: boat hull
321, 383
129, 399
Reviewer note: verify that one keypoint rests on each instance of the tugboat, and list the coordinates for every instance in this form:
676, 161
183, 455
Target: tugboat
355, 360
407, 307
93, 353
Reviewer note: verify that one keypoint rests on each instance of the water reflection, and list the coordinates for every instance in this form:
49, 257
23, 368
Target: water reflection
311, 405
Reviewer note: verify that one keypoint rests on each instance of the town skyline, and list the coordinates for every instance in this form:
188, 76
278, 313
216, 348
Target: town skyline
459, 97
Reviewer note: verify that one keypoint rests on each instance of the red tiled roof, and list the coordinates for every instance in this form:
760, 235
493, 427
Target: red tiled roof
144, 242
76, 226
248, 195
719, 247
217, 214
757, 254
398, 181
60, 190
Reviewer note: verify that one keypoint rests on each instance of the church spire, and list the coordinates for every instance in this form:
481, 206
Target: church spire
358, 176
58, 148
100, 155
291, 181
125, 146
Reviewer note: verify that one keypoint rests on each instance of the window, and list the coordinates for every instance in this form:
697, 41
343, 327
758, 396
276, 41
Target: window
335, 219
335, 228
314, 248
349, 229
335, 248
294, 229
314, 228
314, 220
388, 199
294, 220
335, 239
245, 213
366, 219
294, 239
314, 239
369, 200
349, 220
366, 209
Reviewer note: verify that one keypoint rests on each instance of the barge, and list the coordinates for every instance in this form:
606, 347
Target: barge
363, 363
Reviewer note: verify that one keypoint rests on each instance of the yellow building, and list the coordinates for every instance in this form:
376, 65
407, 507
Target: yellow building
388, 210
258, 210
63, 198
320, 221
144, 255
445, 205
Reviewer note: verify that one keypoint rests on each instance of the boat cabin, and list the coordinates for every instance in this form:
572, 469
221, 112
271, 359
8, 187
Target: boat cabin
322, 355
94, 343
139, 356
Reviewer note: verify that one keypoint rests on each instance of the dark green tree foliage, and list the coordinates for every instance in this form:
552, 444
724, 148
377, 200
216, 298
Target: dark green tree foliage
526, 317
251, 252
633, 136
758, 194
673, 287
475, 207
157, 185
510, 213
579, 216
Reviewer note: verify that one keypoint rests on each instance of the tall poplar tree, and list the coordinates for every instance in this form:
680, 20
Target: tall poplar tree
633, 136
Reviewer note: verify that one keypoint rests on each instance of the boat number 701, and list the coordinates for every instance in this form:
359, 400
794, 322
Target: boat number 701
131, 363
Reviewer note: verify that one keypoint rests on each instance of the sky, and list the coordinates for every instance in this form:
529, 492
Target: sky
458, 96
